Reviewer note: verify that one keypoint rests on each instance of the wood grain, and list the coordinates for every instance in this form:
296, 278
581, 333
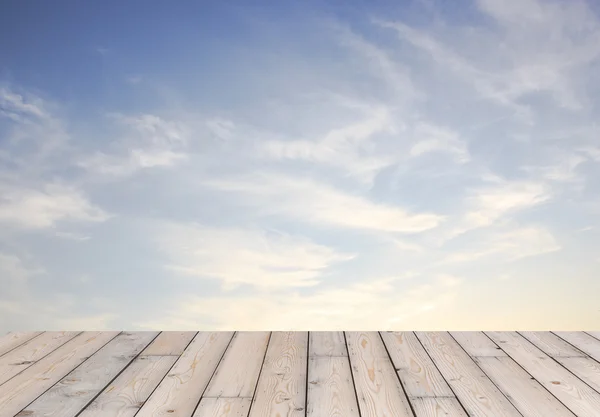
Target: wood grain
551, 344
438, 407
19, 391
415, 368
281, 389
238, 372
72, 393
477, 344
571, 391
224, 407
128, 392
330, 388
30, 352
528, 396
179, 392
584, 342
474, 390
377, 386
169, 343
586, 369
327, 344
13, 340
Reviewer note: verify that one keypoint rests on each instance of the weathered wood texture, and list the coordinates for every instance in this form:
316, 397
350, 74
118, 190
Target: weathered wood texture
293, 374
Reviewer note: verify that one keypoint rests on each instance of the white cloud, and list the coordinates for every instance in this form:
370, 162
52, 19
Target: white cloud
436, 139
490, 203
154, 142
538, 47
317, 203
348, 148
252, 257
45, 207
368, 305
518, 243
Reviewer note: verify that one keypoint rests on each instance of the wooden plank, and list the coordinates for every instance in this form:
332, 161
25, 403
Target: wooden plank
438, 407
377, 386
330, 388
551, 344
13, 340
70, 395
327, 344
527, 395
415, 368
19, 391
478, 395
237, 374
128, 392
571, 391
30, 352
477, 344
169, 343
281, 389
594, 334
179, 392
586, 369
224, 407
584, 342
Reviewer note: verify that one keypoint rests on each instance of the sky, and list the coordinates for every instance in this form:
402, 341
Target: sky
299, 165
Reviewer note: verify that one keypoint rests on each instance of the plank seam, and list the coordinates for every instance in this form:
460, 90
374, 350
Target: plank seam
262, 365
212, 375
308, 337
525, 370
18, 346
352, 375
412, 410
116, 376
71, 370
571, 372
484, 373
33, 363
167, 373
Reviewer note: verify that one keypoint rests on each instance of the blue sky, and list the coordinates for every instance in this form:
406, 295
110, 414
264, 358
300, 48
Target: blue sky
308, 165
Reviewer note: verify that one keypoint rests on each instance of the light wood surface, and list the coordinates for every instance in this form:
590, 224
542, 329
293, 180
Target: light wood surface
528, 395
281, 388
551, 344
377, 386
416, 370
477, 344
330, 388
292, 374
15, 339
180, 391
478, 395
570, 390
169, 343
584, 342
327, 344
238, 372
30, 352
77, 389
127, 393
224, 407
19, 391
438, 407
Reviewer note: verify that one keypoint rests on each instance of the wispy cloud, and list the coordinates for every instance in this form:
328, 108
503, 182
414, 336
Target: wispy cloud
508, 246
154, 142
263, 259
320, 204
45, 207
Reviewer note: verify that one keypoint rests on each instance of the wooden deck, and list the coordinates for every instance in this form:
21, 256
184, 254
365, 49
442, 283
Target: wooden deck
297, 374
